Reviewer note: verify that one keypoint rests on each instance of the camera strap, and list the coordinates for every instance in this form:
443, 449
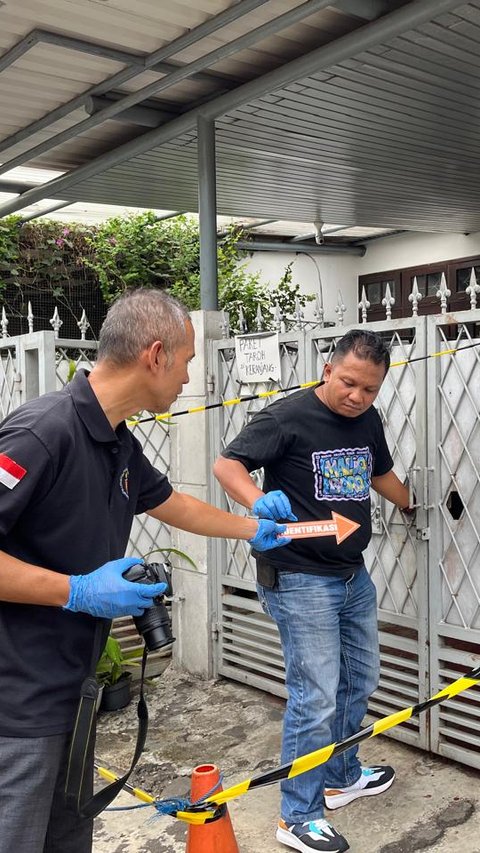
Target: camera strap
78, 772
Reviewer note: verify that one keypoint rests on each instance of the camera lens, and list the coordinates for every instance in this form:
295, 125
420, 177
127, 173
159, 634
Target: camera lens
154, 625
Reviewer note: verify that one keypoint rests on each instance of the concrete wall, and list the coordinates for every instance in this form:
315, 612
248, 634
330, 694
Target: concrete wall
326, 275
407, 250
189, 473
317, 274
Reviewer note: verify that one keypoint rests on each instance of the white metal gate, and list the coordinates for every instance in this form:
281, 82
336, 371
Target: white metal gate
453, 402
427, 571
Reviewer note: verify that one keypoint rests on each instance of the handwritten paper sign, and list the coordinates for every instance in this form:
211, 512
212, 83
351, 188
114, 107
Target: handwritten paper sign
258, 357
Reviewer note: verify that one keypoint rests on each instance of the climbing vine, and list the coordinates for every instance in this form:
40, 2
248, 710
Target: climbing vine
54, 259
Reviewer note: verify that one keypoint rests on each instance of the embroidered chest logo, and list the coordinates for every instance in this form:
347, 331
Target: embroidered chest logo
124, 483
342, 474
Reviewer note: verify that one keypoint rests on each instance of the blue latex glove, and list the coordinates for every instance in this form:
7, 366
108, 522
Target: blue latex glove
274, 505
106, 593
267, 537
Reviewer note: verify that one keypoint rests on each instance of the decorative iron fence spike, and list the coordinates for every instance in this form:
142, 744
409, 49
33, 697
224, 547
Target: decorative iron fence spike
364, 305
414, 297
4, 324
388, 301
259, 319
299, 315
30, 317
55, 321
83, 325
225, 325
242, 323
443, 293
277, 321
472, 289
319, 311
340, 308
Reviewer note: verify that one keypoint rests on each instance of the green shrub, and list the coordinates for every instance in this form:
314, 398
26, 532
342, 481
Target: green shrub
135, 251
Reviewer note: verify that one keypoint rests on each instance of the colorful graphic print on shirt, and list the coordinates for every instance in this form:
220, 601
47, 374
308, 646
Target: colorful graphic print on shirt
343, 474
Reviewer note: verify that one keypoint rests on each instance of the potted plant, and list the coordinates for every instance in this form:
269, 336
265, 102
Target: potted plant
113, 676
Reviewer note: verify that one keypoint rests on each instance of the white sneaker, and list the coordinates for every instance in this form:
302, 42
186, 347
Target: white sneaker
316, 835
374, 780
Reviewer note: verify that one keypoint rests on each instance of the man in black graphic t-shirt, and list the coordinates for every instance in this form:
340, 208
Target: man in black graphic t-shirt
321, 450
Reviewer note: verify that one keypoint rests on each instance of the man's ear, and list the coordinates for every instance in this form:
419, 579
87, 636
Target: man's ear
327, 371
155, 355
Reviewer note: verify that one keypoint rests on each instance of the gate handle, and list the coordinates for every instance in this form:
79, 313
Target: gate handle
411, 490
426, 488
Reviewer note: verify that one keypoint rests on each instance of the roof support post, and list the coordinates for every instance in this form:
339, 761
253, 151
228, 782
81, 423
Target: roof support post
207, 208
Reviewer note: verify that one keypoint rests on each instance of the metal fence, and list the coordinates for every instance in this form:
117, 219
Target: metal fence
427, 571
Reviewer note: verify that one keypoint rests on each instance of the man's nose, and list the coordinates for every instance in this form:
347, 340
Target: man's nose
356, 395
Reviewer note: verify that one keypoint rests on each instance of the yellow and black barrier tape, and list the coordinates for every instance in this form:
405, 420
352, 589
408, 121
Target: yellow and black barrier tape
205, 810
133, 422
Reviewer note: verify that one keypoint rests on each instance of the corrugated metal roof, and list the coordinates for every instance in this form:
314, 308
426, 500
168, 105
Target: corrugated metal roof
47, 75
386, 137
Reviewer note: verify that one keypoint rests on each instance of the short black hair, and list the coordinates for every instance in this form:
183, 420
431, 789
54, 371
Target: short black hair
364, 344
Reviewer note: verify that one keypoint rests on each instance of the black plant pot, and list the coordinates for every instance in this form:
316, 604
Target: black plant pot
118, 695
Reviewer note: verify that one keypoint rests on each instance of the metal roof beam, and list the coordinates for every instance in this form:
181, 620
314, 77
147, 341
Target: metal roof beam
324, 233
209, 76
141, 115
369, 10
210, 26
90, 47
346, 46
15, 187
301, 248
182, 73
38, 36
139, 62
18, 50
247, 227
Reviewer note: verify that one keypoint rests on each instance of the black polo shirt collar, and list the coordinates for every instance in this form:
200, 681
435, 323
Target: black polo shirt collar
90, 410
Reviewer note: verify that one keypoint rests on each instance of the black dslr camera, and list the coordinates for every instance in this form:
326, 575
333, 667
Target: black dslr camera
154, 625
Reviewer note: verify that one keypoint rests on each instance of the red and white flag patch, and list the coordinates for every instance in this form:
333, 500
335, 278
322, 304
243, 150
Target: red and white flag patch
10, 472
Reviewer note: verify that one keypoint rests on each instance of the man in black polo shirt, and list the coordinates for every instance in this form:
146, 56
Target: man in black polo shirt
72, 477
321, 449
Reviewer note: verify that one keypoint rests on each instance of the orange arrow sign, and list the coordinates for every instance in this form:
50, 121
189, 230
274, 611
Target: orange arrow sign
338, 526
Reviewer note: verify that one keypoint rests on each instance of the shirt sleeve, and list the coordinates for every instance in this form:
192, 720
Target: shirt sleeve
26, 474
383, 462
155, 487
259, 443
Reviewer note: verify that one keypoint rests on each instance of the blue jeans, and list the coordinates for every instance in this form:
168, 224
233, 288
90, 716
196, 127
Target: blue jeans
328, 629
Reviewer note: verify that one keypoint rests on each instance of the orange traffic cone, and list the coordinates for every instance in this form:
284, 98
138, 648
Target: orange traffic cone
215, 837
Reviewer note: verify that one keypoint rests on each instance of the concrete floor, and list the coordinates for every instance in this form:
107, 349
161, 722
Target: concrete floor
433, 806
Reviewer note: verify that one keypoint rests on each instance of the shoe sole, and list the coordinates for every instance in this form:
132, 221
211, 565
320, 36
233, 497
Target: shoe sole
339, 800
290, 840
